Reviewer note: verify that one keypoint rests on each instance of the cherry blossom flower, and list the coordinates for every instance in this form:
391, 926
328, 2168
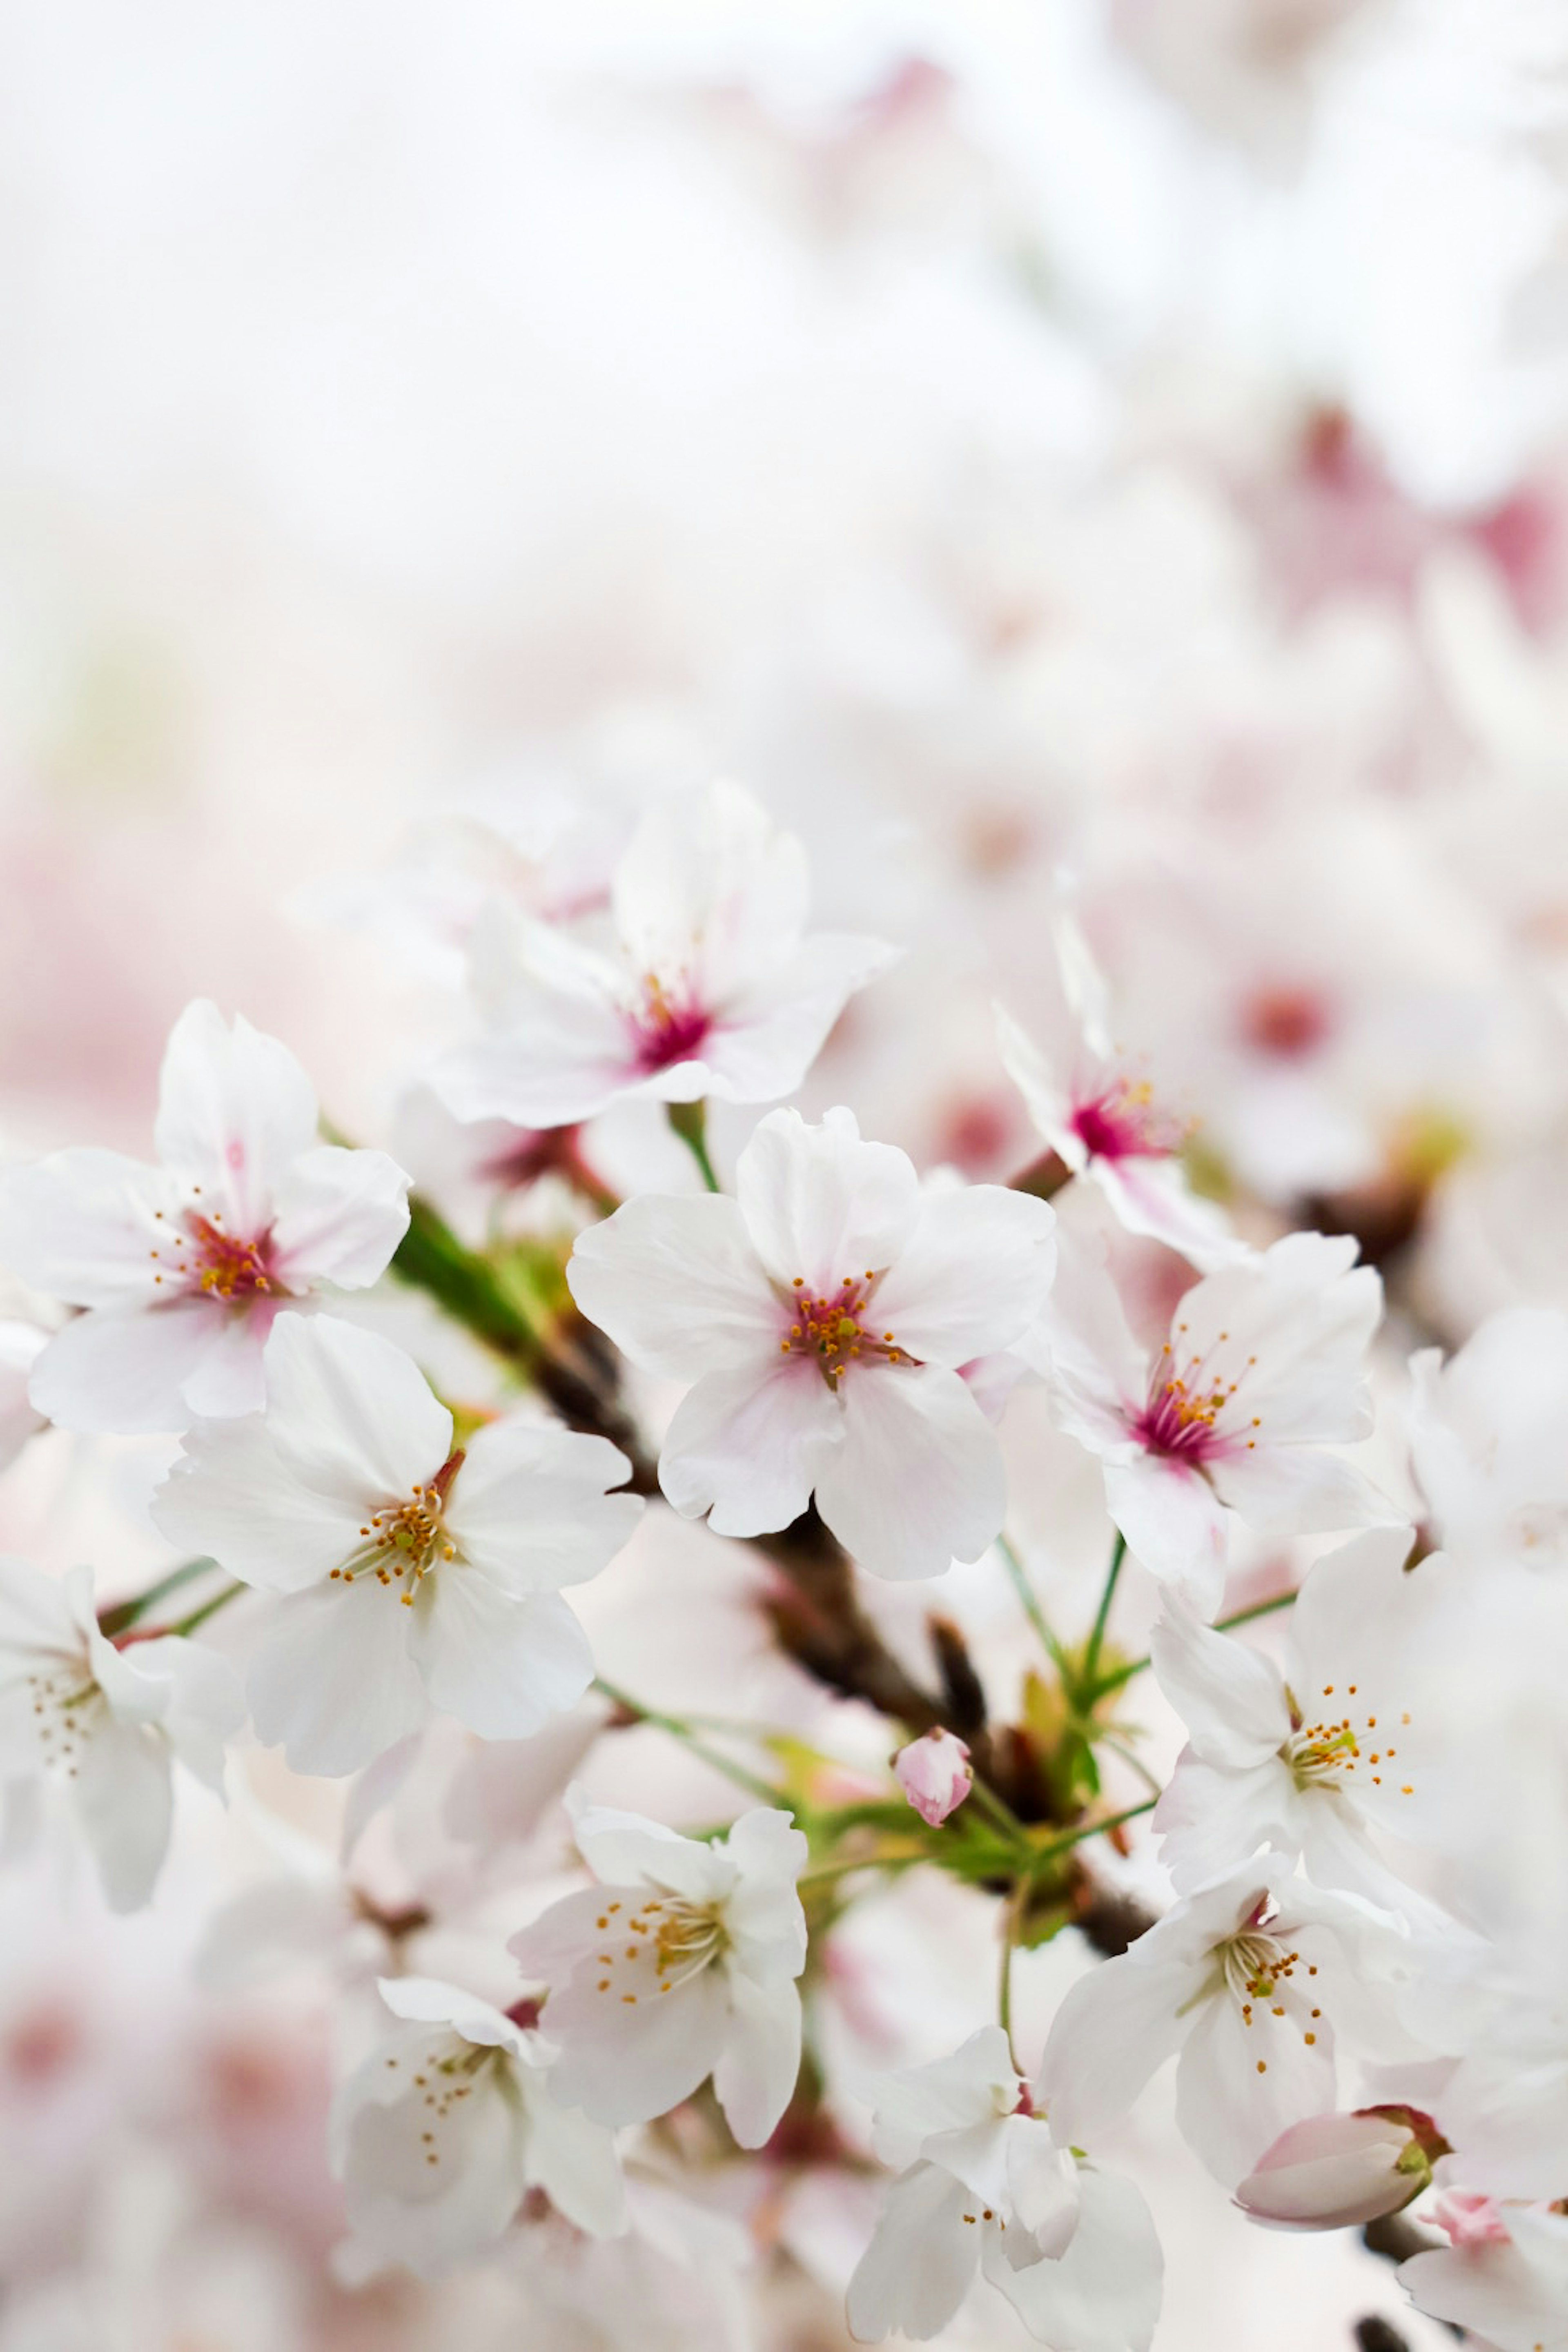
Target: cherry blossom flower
1102, 1120
440, 2132
1504, 2278
104, 1726
410, 1575
985, 2184
1337, 2172
1486, 1440
1504, 2103
181, 1267
1251, 1981
711, 986
680, 1964
935, 1774
1264, 1369
822, 1320
1348, 1740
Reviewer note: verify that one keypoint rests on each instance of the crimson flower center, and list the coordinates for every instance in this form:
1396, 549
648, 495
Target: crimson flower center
1191, 1409
668, 1024
198, 1255
1123, 1122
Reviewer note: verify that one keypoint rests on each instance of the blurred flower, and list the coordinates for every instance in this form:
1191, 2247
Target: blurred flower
1486, 1441
935, 1775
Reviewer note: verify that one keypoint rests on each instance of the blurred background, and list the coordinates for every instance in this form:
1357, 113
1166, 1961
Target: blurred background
1122, 435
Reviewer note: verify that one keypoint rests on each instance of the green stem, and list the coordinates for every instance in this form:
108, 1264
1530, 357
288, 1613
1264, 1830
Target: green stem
1029, 1601
1002, 1814
1012, 1920
1114, 1680
1089, 1679
199, 1616
1043, 1854
673, 1726
690, 1121
822, 1873
113, 1622
432, 1258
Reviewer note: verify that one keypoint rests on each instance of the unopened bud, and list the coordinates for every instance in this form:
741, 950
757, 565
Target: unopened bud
1334, 2172
934, 1774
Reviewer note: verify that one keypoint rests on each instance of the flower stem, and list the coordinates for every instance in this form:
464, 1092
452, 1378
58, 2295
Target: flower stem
118, 1619
1002, 1815
1044, 1854
1012, 1920
1089, 1679
1121, 1674
690, 1121
197, 1616
1029, 1602
751, 1782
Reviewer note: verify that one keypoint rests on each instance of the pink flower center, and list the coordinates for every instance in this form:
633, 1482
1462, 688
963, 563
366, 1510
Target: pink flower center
1188, 1403
669, 1028
1123, 1122
837, 1327
199, 1256
1286, 1022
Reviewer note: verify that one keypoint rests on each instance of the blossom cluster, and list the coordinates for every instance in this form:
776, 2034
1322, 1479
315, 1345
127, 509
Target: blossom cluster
834, 1346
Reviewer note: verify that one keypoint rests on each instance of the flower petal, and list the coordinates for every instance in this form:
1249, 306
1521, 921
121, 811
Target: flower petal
530, 1509
234, 1108
972, 1276
1231, 1698
349, 1414
820, 1204
1173, 1523
755, 2076
676, 1285
129, 1372
500, 1665
332, 1680
921, 2262
919, 1481
338, 1217
748, 1444
82, 1225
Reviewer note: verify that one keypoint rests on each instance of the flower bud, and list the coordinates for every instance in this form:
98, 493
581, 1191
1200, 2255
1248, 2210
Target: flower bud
1334, 2171
934, 1774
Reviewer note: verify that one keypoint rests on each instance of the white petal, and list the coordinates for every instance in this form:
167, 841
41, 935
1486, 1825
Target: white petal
125, 1798
201, 1707
529, 1507
921, 2262
127, 1370
36, 1619
1151, 1197
1117, 2025
918, 1482
1046, 1099
234, 1108
1492, 2292
430, 2001
350, 1414
1231, 1698
756, 2075
503, 1665
574, 2160
1103, 2294
625, 2064
709, 883
748, 1444
82, 1225
1211, 1817
765, 1038
338, 1216
431, 2217
820, 1204
971, 1277
1298, 1490
626, 1848
1173, 1523
952, 2094
332, 1680
1098, 1372
676, 1285
229, 1496
1238, 2085
1307, 1313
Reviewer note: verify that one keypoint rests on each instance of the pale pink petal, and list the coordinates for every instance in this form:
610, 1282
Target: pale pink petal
765, 1037
331, 1680
123, 1797
529, 1506
82, 1225
749, 1443
676, 1285
500, 1665
1238, 2085
338, 1217
819, 1203
624, 2063
921, 2262
349, 1414
1152, 1196
130, 1371
709, 883
971, 1277
1116, 2027
1231, 1698
1104, 2293
919, 1480
229, 1497
1173, 1523
755, 2076
1212, 1819
234, 1108
1299, 1490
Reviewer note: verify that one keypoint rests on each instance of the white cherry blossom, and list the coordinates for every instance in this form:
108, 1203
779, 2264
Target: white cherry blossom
443, 2128
1251, 1981
1101, 1118
1504, 2277
1263, 1370
1313, 1758
181, 1267
1486, 1441
104, 1726
679, 1964
822, 1320
985, 2184
409, 1575
711, 984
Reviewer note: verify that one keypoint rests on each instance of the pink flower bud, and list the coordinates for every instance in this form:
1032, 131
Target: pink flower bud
934, 1774
1335, 2172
